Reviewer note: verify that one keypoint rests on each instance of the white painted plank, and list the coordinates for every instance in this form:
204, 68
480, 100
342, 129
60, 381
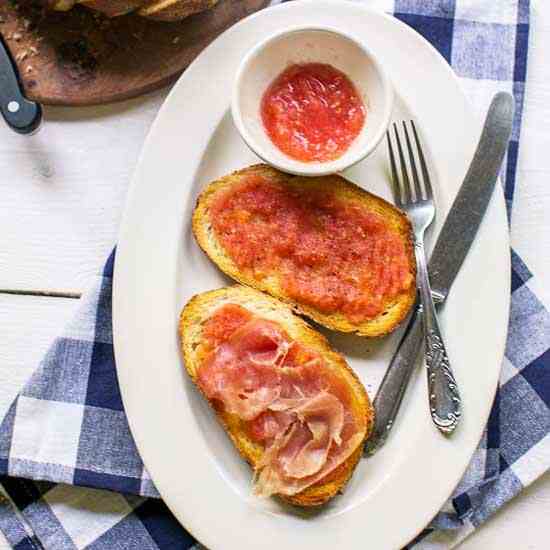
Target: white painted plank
531, 219
63, 191
29, 325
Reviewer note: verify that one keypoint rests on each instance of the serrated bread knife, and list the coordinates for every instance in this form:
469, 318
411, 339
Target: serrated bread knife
452, 246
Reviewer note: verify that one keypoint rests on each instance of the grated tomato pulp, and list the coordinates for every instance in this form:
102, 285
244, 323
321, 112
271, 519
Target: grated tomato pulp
312, 112
332, 255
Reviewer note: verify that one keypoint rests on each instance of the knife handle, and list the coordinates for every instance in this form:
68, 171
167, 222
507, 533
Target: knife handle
392, 389
21, 115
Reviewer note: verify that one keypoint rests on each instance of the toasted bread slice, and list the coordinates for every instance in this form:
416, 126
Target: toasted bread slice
200, 308
112, 8
161, 10
394, 311
174, 10
59, 5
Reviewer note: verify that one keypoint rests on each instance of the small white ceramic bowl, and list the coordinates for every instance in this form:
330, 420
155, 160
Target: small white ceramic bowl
306, 45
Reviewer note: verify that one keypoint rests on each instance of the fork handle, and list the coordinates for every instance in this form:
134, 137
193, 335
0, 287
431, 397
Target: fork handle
444, 398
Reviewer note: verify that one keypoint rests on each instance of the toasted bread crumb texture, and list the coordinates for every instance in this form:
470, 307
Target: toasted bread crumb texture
161, 10
196, 340
335, 252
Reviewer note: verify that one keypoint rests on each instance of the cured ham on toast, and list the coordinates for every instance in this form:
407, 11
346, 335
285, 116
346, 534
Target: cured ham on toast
334, 252
291, 405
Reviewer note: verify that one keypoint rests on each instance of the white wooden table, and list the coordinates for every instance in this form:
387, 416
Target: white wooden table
63, 191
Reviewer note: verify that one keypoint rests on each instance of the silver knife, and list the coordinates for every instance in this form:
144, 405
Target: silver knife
452, 246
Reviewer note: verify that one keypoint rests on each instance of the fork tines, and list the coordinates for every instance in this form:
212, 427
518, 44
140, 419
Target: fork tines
403, 191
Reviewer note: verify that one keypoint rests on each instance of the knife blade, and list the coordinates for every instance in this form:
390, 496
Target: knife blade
470, 204
452, 246
22, 115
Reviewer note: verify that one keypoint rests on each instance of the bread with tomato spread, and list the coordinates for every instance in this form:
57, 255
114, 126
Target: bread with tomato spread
335, 252
288, 377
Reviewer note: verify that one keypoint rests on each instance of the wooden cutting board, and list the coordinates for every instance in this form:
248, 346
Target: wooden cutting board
82, 58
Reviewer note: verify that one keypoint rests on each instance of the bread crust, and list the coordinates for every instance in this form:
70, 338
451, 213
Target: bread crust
201, 307
174, 10
112, 8
395, 311
160, 10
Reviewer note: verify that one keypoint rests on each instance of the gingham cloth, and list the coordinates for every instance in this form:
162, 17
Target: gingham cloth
67, 430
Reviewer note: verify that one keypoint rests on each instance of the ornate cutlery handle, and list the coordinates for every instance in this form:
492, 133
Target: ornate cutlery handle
444, 398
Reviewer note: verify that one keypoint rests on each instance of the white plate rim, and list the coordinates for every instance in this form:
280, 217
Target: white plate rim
128, 301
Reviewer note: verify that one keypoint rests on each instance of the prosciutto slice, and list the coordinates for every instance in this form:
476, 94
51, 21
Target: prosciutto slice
243, 371
308, 451
291, 403
323, 416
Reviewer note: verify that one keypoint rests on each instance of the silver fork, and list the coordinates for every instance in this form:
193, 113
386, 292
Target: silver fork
416, 200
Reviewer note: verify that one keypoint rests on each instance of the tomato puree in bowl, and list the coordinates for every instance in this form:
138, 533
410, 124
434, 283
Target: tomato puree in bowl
312, 112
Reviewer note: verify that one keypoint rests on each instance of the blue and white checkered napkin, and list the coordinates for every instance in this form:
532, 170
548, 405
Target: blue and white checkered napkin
67, 430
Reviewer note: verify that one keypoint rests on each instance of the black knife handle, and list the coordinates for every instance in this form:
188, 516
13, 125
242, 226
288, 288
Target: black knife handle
21, 115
